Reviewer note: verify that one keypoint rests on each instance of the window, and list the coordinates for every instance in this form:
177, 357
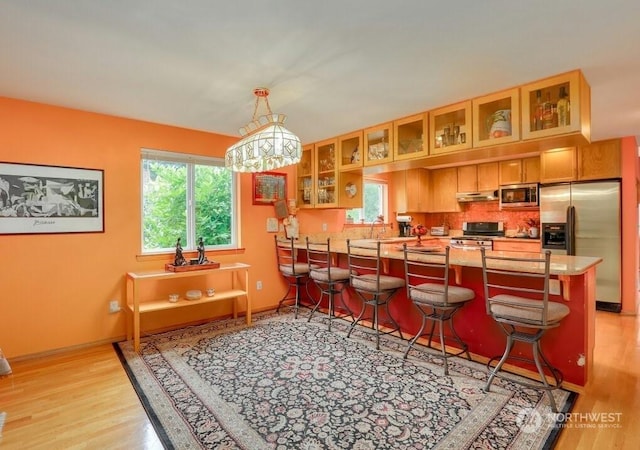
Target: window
187, 197
374, 201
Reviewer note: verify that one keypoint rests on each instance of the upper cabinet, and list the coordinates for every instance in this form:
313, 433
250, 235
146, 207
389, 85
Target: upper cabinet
556, 105
350, 151
377, 143
515, 171
478, 177
496, 118
410, 137
557, 165
599, 160
450, 128
305, 189
326, 174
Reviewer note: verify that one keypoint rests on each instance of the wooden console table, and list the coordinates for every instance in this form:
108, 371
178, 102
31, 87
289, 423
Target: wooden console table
135, 307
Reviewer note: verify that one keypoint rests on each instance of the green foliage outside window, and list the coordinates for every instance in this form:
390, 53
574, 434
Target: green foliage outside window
166, 213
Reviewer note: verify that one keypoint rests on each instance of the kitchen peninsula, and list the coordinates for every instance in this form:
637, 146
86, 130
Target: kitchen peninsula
568, 347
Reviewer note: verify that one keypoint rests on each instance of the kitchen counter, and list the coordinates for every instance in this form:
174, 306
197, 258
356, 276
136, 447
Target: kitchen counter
568, 347
391, 248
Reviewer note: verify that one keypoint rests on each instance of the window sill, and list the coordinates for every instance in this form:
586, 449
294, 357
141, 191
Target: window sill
168, 256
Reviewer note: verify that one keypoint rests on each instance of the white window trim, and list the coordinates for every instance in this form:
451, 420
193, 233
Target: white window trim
164, 155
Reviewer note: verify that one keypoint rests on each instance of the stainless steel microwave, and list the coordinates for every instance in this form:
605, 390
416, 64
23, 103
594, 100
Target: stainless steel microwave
519, 196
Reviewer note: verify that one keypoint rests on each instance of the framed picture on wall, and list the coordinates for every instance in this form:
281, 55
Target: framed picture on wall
269, 187
37, 199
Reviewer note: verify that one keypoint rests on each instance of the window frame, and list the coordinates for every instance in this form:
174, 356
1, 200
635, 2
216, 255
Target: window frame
191, 161
384, 200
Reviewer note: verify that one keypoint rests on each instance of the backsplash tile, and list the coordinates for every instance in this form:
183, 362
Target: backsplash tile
481, 212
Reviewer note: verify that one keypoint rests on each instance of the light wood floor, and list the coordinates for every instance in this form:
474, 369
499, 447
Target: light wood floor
82, 399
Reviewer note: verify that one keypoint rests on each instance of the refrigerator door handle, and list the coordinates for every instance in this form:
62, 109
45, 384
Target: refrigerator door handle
571, 230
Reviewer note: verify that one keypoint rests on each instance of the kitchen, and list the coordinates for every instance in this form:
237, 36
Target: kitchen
446, 181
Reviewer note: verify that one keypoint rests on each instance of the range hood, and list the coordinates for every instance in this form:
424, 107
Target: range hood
482, 196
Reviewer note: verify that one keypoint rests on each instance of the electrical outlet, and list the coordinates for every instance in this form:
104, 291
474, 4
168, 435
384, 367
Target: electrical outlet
324, 227
114, 306
258, 285
554, 287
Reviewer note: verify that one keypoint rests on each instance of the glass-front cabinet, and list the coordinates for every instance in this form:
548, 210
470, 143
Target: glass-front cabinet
378, 141
350, 151
326, 174
450, 128
409, 137
496, 118
304, 179
556, 105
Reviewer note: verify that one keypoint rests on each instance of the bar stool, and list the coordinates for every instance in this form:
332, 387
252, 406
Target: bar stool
522, 318
330, 279
427, 280
295, 273
371, 286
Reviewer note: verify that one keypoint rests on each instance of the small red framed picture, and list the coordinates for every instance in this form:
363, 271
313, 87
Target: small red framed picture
269, 187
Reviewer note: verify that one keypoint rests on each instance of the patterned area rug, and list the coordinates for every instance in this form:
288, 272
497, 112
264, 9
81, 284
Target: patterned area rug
290, 384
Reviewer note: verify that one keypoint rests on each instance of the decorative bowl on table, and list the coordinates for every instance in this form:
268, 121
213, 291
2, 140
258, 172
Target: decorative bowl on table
420, 230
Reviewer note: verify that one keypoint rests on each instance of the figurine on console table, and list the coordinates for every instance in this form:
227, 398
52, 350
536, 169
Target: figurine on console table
202, 259
179, 258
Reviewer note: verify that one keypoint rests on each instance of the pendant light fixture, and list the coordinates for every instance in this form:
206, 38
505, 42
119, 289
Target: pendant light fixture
266, 143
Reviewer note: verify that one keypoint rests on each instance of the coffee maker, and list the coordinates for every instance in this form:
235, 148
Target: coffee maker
404, 225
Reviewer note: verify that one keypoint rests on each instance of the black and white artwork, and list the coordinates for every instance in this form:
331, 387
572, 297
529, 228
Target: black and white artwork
50, 199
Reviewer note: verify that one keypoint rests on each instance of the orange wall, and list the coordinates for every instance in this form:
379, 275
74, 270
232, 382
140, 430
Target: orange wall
56, 287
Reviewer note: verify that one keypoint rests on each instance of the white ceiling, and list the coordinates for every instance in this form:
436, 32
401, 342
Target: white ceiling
333, 66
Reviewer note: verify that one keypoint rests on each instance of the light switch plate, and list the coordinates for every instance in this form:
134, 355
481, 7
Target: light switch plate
272, 225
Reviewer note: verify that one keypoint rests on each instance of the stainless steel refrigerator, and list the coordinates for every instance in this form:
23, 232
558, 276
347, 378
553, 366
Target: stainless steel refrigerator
583, 219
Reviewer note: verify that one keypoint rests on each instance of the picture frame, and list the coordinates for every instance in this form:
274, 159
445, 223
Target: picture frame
268, 187
40, 199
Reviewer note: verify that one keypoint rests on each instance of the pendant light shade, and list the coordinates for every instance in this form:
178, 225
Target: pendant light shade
266, 143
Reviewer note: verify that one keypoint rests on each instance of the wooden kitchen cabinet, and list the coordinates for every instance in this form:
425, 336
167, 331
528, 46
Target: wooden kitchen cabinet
517, 171
350, 151
478, 177
409, 136
599, 160
450, 128
558, 164
496, 118
532, 246
378, 143
410, 190
534, 126
443, 187
488, 179
468, 178
326, 174
305, 179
